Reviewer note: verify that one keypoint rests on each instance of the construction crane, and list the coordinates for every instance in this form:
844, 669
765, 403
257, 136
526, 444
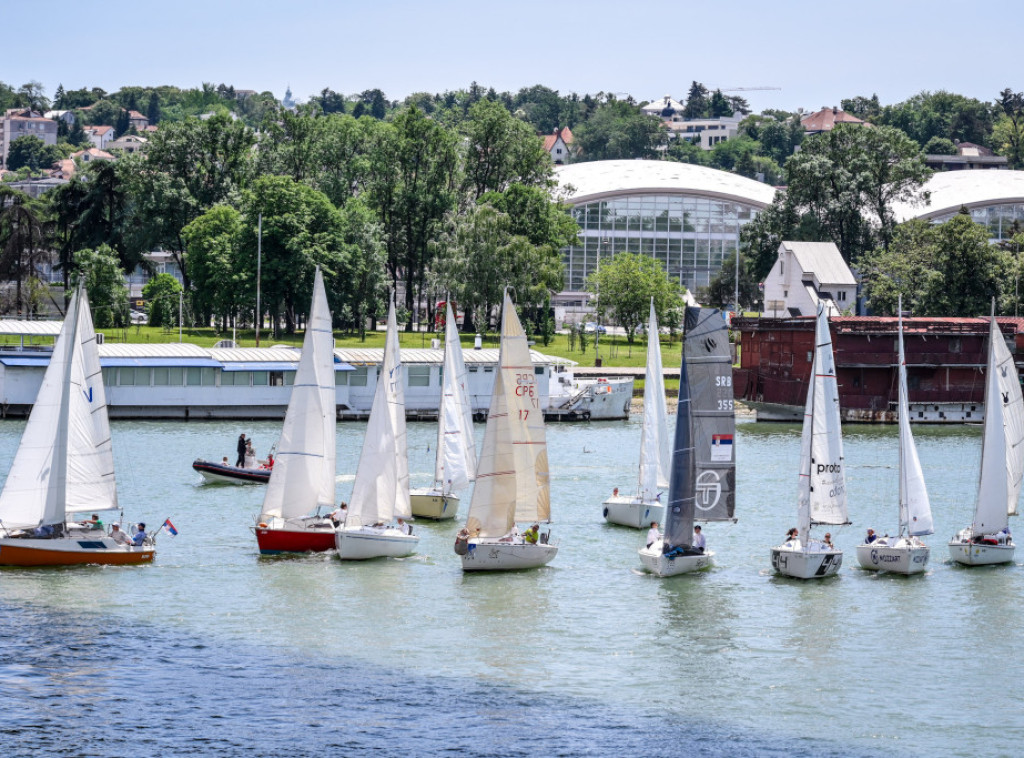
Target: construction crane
742, 89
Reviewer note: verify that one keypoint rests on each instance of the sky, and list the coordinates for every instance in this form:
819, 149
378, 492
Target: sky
815, 53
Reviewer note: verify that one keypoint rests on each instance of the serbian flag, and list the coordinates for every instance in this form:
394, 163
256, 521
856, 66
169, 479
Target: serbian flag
168, 526
721, 448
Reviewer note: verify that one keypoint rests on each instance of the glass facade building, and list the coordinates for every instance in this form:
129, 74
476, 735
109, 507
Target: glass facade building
998, 219
691, 235
688, 217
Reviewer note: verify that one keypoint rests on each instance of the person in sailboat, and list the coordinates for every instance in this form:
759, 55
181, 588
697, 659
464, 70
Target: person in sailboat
403, 526
140, 535
531, 535
118, 536
93, 522
512, 536
653, 535
792, 534
43, 531
871, 537
699, 541
827, 542
339, 514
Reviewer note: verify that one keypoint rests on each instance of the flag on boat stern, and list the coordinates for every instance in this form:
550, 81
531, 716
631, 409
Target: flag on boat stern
169, 527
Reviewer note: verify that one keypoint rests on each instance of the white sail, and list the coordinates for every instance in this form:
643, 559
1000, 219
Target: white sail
512, 476
381, 489
455, 465
1002, 449
304, 467
654, 452
64, 461
915, 509
822, 490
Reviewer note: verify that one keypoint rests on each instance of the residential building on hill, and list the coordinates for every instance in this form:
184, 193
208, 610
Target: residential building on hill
100, 135
826, 119
22, 122
968, 156
558, 144
137, 120
128, 143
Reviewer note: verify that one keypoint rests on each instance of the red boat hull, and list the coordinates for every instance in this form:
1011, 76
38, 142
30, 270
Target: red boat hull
275, 541
17, 552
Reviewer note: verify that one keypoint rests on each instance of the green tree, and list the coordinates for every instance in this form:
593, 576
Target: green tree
301, 229
34, 96
499, 151
366, 279
540, 106
625, 286
939, 146
867, 108
103, 113
220, 283
162, 294
32, 153
105, 285
1008, 133
722, 288
618, 130
845, 176
122, 123
945, 270
23, 240
941, 114
719, 105
697, 103
153, 108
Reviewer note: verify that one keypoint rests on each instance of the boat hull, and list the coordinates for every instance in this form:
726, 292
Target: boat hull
494, 555
980, 554
797, 563
365, 543
311, 536
904, 557
433, 504
655, 561
631, 511
217, 473
72, 551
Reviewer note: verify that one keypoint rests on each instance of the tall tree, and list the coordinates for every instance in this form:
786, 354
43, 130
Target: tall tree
625, 286
618, 130
105, 285
697, 103
23, 240
1008, 133
499, 151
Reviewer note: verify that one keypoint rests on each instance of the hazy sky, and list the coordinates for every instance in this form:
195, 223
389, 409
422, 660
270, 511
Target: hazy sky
817, 52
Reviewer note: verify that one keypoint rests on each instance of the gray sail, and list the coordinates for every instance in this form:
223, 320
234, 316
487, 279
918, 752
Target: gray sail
712, 416
678, 526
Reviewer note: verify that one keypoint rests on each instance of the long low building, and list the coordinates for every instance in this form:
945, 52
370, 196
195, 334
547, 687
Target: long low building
180, 380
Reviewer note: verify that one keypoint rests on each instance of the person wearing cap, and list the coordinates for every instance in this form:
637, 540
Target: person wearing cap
118, 536
140, 536
699, 543
871, 537
530, 536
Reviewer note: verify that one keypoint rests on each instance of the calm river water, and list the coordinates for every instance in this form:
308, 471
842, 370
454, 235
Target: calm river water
215, 651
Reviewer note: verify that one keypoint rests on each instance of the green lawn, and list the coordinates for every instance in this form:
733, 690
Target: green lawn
614, 350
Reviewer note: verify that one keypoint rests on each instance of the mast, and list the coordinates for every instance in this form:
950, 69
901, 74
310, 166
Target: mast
679, 509
59, 473
655, 463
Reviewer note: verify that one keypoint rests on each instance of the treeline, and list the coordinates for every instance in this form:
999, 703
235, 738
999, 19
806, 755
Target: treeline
408, 204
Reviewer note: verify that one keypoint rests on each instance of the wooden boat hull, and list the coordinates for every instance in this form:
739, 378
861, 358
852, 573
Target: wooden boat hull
365, 543
797, 563
430, 503
310, 536
494, 555
72, 551
631, 511
218, 473
655, 562
979, 553
904, 557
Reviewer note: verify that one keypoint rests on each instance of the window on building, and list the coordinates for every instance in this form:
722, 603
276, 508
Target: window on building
359, 377
126, 377
260, 378
419, 376
341, 378
276, 378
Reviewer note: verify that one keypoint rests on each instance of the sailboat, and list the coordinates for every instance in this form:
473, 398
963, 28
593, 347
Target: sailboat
65, 462
905, 553
822, 490
703, 478
512, 477
381, 489
455, 462
645, 506
987, 540
304, 470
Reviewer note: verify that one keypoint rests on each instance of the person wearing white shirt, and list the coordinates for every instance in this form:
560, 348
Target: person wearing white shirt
653, 535
118, 536
404, 527
699, 543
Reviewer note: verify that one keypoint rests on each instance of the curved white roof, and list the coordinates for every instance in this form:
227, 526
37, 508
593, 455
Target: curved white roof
952, 189
597, 180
